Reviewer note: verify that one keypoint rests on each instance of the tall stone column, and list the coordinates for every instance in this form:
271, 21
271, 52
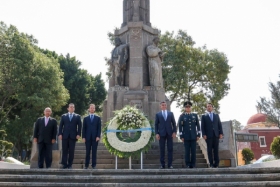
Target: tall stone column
137, 33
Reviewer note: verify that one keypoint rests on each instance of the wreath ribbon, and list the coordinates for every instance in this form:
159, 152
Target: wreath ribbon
129, 130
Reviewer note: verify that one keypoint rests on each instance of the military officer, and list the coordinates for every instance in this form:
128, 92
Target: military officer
189, 130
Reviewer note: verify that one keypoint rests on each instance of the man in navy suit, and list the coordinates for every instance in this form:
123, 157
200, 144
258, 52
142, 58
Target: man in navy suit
45, 135
91, 135
212, 131
189, 130
165, 129
69, 133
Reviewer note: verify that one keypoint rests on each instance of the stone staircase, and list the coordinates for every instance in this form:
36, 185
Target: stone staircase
203, 177
150, 159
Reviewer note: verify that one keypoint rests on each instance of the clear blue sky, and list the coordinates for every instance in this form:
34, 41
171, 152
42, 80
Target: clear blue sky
248, 31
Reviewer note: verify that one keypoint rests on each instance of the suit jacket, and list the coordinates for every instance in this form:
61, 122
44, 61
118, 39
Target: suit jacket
45, 134
69, 128
91, 129
189, 127
163, 127
208, 126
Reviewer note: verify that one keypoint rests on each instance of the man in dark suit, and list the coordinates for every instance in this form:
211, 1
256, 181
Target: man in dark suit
165, 129
45, 135
91, 135
212, 131
69, 133
189, 130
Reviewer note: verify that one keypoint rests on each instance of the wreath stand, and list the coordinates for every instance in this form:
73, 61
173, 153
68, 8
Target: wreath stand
141, 161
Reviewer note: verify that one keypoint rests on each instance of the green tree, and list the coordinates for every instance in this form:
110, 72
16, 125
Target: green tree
191, 73
236, 125
30, 81
5, 146
83, 87
97, 91
271, 107
248, 155
275, 147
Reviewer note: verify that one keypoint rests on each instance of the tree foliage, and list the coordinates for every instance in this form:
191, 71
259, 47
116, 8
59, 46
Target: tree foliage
190, 73
29, 82
248, 155
28, 77
275, 147
83, 87
271, 107
5, 146
236, 125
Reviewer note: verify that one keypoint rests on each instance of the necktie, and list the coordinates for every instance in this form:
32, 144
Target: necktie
46, 121
70, 116
164, 115
91, 118
211, 116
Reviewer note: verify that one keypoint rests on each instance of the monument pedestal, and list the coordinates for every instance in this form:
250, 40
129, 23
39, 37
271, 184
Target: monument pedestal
147, 100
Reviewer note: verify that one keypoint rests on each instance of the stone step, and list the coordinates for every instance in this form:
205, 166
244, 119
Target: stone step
141, 179
79, 151
202, 184
150, 157
98, 172
137, 166
134, 161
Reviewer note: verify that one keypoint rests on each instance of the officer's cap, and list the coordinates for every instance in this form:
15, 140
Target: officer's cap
187, 103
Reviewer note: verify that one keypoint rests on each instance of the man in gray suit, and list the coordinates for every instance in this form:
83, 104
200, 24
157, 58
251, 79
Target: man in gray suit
212, 131
69, 132
165, 129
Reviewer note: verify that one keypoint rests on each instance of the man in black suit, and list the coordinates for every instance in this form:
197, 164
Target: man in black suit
212, 131
69, 133
189, 130
45, 135
165, 129
91, 135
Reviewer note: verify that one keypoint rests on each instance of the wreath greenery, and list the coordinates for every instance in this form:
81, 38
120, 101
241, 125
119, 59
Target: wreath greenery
129, 120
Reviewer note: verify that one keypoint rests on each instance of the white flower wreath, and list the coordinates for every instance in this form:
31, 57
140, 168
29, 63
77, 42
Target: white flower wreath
127, 120
128, 146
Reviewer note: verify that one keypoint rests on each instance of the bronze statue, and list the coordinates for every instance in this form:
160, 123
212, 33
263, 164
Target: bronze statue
118, 61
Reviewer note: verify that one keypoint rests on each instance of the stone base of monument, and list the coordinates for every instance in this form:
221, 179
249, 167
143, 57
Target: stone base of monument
146, 100
238, 177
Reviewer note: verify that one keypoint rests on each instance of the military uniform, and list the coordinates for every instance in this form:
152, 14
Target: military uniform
189, 129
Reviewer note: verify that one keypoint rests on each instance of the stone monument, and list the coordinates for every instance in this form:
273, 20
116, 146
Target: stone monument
135, 64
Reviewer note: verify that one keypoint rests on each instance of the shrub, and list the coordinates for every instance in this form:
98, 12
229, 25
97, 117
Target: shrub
5, 146
248, 155
275, 147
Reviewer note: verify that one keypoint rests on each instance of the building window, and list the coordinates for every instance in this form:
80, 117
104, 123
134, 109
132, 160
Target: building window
262, 141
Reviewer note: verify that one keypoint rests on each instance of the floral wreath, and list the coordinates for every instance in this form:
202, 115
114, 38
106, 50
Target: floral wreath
126, 121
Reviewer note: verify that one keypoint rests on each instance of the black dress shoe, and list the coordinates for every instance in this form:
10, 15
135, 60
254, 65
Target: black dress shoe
64, 167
